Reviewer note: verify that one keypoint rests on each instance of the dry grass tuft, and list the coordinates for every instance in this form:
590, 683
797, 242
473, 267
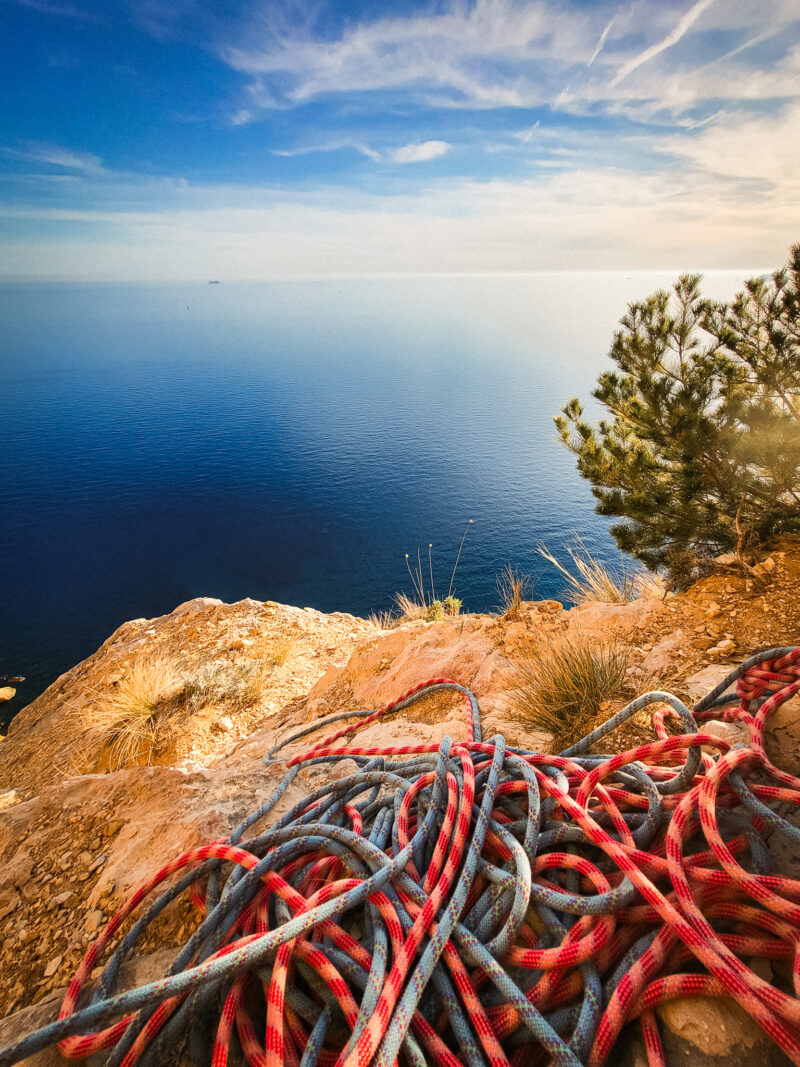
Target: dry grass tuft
409, 608
149, 701
236, 685
592, 582
156, 699
513, 588
280, 650
564, 681
382, 620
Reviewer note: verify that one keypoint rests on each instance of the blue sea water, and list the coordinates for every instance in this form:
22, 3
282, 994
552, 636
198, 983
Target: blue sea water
285, 441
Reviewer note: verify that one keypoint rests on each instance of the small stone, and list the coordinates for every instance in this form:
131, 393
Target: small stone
86, 859
724, 648
9, 901
52, 966
98, 863
94, 920
62, 899
7, 693
225, 723
733, 732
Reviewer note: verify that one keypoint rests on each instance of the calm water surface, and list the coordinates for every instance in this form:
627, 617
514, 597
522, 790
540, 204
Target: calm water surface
288, 442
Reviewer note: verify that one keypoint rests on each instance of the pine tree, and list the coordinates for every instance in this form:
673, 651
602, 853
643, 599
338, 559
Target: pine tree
700, 451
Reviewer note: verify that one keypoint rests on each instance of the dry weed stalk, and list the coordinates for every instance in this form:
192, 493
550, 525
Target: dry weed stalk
513, 588
592, 582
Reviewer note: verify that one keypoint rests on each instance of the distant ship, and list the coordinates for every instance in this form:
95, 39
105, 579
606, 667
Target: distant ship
213, 282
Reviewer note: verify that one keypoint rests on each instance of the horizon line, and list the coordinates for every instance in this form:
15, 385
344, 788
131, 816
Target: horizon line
28, 279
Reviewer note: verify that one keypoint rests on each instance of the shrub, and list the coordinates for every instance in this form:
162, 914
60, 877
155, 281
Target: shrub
700, 451
410, 609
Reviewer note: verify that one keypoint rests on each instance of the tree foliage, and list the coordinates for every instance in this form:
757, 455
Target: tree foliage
699, 453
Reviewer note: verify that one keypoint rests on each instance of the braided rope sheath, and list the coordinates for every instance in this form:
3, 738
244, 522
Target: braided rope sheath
467, 903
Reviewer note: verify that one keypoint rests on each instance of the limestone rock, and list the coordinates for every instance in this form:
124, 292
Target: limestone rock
723, 648
194, 637
782, 736
733, 732
661, 655
620, 619
701, 684
702, 1031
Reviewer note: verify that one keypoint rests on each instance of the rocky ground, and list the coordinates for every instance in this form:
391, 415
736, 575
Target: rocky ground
77, 836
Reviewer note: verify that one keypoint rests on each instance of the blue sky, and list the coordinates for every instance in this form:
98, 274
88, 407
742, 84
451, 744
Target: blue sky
159, 139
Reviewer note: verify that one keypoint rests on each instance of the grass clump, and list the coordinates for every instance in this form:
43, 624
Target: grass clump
156, 699
564, 682
425, 604
149, 701
452, 605
409, 608
591, 582
236, 685
280, 650
513, 588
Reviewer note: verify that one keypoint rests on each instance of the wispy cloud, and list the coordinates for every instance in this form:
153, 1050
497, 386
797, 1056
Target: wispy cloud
57, 7
683, 26
242, 117
492, 54
410, 153
56, 156
683, 153
602, 41
438, 51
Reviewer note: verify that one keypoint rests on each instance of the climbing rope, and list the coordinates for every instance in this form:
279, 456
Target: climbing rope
471, 903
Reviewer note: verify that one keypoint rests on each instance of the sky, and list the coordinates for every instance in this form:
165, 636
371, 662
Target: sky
188, 139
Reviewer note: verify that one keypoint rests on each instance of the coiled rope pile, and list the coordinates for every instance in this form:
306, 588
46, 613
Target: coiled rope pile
471, 903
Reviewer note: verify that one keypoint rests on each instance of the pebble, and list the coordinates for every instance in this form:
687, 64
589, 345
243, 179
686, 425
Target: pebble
62, 899
94, 920
52, 966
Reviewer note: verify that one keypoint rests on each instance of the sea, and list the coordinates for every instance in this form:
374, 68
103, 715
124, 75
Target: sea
288, 441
